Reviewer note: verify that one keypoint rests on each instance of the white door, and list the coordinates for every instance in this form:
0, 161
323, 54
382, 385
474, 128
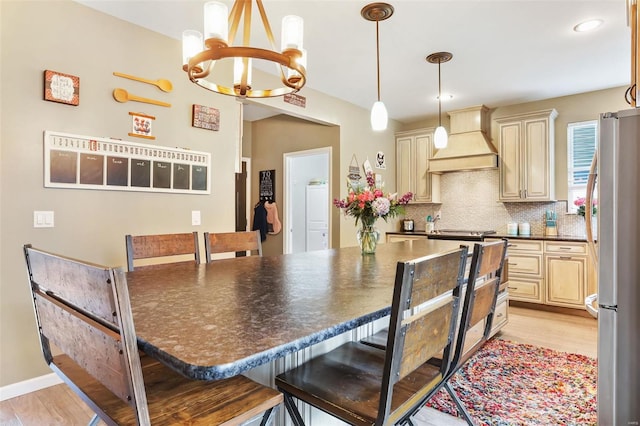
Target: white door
317, 217
300, 169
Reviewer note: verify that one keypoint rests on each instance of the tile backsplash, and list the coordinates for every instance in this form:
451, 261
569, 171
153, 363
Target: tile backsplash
470, 201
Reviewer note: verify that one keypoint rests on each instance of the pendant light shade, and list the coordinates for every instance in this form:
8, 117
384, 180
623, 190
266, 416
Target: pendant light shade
440, 137
379, 116
378, 12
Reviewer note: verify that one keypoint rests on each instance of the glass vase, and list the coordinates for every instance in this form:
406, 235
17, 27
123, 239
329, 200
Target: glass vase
368, 239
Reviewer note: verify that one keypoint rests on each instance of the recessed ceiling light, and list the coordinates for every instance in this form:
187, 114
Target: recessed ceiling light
589, 25
445, 97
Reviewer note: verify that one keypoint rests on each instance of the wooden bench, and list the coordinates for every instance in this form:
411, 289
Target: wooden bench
84, 310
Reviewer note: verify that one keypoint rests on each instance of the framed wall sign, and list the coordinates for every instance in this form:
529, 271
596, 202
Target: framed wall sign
62, 88
268, 185
141, 125
88, 162
205, 117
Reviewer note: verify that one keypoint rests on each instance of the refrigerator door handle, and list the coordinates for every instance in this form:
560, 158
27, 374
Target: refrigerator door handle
588, 204
610, 307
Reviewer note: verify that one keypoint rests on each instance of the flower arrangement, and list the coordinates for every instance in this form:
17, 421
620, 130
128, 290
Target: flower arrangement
367, 204
580, 203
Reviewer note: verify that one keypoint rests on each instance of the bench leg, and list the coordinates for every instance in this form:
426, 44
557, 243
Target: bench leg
461, 409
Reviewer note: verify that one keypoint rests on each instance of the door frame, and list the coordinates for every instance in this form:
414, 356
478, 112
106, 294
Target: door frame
288, 157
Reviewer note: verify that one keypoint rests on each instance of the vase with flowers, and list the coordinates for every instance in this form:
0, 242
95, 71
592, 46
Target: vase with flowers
580, 203
367, 203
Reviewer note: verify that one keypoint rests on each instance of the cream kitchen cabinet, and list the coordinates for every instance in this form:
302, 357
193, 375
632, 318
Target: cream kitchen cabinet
527, 156
566, 273
526, 279
413, 150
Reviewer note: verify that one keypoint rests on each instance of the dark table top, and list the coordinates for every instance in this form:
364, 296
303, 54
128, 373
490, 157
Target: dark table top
217, 320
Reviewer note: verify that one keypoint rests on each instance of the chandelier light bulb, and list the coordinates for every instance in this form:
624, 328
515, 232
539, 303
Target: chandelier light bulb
191, 45
216, 24
292, 32
379, 116
440, 138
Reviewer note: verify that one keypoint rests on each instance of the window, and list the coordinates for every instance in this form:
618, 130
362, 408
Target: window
581, 145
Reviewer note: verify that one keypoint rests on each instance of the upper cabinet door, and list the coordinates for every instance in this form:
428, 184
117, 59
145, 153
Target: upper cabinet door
526, 156
510, 161
413, 151
404, 165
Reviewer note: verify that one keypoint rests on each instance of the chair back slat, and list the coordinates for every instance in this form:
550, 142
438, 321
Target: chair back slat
492, 258
73, 333
483, 302
228, 242
70, 301
425, 337
434, 278
173, 246
82, 285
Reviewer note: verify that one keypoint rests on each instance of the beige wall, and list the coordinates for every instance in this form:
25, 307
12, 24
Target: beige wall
67, 37
272, 138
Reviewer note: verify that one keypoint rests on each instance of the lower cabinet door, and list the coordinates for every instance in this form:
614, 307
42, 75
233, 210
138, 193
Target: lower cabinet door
566, 278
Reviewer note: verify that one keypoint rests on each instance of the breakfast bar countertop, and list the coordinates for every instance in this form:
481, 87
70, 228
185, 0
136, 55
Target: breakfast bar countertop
568, 238
217, 320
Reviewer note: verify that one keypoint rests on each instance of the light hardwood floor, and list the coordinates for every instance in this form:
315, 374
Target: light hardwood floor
58, 405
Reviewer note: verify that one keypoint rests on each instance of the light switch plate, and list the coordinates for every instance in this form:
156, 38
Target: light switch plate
195, 218
43, 219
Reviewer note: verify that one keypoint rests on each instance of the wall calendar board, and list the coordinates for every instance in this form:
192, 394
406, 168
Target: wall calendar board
87, 162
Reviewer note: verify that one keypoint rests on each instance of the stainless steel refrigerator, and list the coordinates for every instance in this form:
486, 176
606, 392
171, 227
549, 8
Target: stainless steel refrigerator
618, 248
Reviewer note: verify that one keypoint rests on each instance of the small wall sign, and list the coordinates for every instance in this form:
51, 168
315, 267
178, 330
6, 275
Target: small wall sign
268, 185
62, 88
297, 100
205, 117
141, 125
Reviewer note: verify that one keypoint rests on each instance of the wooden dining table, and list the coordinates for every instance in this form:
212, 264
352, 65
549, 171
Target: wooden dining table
217, 320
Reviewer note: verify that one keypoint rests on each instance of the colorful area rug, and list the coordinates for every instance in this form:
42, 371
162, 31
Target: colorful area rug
508, 383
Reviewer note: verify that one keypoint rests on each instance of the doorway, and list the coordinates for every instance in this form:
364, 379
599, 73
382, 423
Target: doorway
243, 200
307, 200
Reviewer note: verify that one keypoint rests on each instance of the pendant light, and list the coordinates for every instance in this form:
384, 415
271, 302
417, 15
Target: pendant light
440, 137
378, 12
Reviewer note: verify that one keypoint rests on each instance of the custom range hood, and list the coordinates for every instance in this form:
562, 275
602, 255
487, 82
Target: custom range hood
469, 147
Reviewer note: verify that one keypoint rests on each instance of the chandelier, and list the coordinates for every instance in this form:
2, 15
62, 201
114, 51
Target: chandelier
200, 53
440, 138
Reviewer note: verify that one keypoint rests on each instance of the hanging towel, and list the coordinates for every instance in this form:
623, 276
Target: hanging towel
260, 220
272, 218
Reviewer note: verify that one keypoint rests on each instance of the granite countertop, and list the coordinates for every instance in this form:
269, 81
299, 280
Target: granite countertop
504, 235
217, 320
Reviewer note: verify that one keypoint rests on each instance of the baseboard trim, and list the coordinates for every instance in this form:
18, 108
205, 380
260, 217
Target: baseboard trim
27, 386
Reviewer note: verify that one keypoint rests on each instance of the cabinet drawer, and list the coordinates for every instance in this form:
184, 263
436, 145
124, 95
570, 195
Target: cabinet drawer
500, 315
525, 289
524, 245
529, 264
571, 248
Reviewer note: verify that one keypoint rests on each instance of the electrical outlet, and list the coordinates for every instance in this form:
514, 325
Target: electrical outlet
195, 218
43, 219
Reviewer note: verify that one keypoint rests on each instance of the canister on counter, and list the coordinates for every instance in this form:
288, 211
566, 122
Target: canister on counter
512, 228
524, 229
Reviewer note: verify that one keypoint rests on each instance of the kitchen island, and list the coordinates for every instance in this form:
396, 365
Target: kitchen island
217, 320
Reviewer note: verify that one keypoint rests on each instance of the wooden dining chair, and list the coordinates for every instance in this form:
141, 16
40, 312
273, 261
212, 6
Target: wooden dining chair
84, 310
362, 385
167, 248
478, 307
227, 242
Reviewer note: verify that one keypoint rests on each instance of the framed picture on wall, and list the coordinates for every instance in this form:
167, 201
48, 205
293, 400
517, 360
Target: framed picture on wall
62, 88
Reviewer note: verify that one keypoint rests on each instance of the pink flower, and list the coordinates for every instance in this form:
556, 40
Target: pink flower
579, 201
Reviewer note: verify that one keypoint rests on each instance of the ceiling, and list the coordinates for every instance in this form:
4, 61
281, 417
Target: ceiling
504, 52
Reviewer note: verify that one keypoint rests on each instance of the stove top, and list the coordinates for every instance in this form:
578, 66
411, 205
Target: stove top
460, 234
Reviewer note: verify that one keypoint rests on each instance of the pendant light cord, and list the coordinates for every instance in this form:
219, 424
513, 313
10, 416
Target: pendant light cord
378, 56
439, 96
